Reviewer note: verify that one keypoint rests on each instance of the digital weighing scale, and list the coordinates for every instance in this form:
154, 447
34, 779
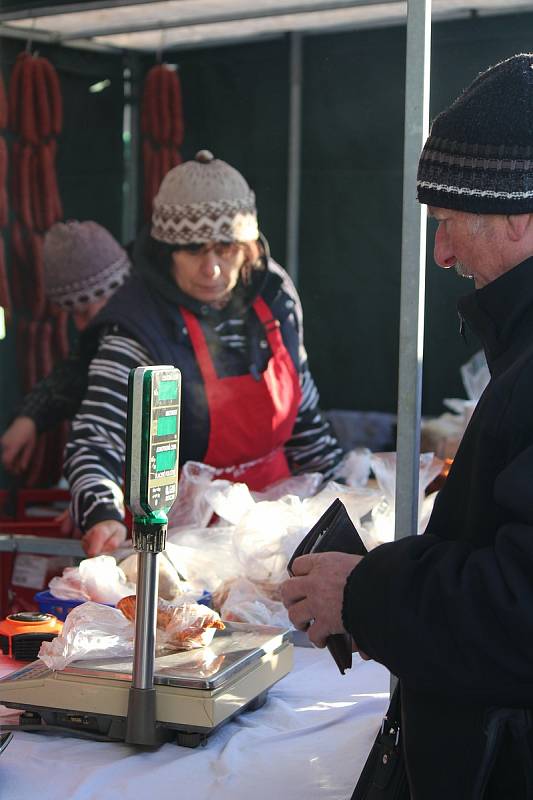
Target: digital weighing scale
181, 697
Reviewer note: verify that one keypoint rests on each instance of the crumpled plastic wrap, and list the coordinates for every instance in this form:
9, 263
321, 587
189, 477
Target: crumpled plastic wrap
169, 585
98, 579
380, 527
94, 631
244, 555
444, 433
180, 625
241, 600
90, 631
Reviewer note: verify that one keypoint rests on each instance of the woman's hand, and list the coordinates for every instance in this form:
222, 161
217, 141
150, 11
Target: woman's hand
104, 537
18, 445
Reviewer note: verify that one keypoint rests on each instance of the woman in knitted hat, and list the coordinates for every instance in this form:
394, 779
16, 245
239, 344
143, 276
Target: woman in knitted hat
83, 265
214, 304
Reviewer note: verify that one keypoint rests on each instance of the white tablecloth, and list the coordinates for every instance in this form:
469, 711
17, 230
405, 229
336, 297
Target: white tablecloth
308, 742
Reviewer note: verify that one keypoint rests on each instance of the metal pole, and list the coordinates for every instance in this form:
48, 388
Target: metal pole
145, 621
130, 148
294, 167
417, 84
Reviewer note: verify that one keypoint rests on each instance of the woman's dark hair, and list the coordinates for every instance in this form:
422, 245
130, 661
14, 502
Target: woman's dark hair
159, 255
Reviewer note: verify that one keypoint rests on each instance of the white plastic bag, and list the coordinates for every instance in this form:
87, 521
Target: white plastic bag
244, 602
355, 467
98, 579
90, 631
301, 486
169, 585
204, 556
381, 526
191, 508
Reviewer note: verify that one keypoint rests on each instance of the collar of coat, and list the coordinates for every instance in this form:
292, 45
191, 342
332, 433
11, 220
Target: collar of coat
501, 314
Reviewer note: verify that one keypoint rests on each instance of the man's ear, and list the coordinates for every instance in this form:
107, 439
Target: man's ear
518, 225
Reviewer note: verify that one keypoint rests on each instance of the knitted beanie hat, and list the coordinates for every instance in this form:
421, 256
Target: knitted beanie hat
479, 155
83, 263
204, 200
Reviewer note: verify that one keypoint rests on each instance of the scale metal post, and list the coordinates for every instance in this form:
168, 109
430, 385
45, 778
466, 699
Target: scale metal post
183, 696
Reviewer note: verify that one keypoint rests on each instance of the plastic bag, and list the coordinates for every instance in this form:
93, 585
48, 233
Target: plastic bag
190, 626
191, 508
301, 486
90, 631
98, 579
180, 625
444, 434
381, 526
243, 601
476, 375
355, 467
169, 584
204, 556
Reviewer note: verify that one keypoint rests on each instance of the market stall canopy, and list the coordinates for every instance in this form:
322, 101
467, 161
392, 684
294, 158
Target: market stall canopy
145, 25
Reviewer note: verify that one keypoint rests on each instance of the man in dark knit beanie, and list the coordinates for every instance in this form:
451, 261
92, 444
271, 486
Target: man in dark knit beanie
451, 612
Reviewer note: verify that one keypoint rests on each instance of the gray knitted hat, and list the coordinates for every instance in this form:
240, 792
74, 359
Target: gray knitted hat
83, 263
479, 156
204, 200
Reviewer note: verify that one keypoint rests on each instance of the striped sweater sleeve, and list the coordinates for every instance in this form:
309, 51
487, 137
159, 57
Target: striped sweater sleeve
95, 453
313, 446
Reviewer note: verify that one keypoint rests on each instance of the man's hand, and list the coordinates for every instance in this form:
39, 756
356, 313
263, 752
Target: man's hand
104, 537
18, 444
313, 597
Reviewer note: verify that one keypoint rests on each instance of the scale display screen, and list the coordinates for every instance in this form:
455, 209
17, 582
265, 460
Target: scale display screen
166, 426
168, 390
153, 439
165, 460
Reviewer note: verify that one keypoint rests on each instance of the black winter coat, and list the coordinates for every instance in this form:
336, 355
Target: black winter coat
451, 612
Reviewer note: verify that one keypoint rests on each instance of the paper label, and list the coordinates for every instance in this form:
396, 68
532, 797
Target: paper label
30, 571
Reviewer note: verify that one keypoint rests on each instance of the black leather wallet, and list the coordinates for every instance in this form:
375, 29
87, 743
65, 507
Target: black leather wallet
334, 532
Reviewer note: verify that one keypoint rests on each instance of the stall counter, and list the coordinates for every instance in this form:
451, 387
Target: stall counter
308, 742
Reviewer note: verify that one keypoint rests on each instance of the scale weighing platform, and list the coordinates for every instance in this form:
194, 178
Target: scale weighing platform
183, 696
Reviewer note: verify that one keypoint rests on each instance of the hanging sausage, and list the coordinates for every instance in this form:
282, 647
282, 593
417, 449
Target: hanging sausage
161, 128
5, 294
36, 119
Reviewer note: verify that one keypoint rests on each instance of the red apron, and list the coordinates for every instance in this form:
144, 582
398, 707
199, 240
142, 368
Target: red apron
249, 419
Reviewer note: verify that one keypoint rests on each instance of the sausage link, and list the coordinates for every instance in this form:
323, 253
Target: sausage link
61, 340
15, 92
163, 96
3, 104
5, 294
54, 96
42, 103
176, 110
28, 123
38, 298
25, 185
36, 191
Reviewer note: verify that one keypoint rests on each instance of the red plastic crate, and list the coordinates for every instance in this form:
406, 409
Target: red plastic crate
13, 598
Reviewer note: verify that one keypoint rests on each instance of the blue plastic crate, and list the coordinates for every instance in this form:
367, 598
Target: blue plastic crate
57, 606
49, 604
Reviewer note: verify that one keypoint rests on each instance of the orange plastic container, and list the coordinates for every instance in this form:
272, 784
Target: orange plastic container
22, 634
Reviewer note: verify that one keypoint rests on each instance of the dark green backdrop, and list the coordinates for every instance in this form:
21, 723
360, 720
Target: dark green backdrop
236, 104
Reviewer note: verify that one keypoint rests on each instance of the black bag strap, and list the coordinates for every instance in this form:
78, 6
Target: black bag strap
384, 776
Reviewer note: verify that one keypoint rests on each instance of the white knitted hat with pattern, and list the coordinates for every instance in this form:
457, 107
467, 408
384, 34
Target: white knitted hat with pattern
83, 263
204, 200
